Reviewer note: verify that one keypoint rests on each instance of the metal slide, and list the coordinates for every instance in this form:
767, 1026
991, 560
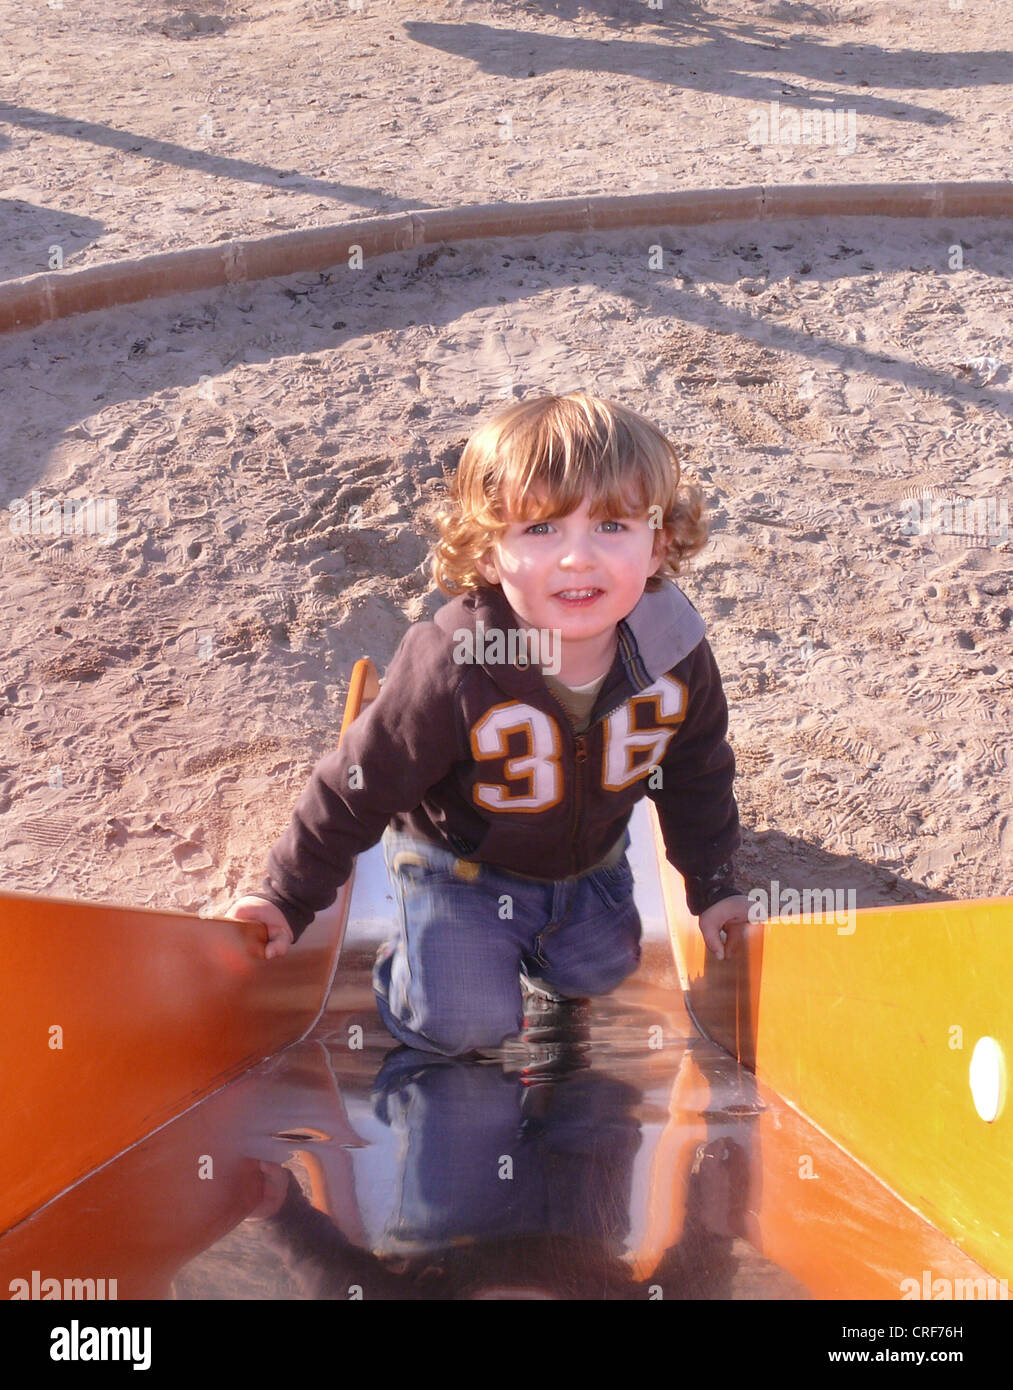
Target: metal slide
193, 1123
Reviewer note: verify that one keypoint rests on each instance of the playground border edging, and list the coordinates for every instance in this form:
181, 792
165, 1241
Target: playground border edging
33, 300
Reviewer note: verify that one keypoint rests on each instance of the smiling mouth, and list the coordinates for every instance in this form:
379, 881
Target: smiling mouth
577, 595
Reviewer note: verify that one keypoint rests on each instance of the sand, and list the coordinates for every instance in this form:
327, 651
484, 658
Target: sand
168, 680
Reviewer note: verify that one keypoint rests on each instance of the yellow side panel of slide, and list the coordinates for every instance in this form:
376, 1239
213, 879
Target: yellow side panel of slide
875, 1028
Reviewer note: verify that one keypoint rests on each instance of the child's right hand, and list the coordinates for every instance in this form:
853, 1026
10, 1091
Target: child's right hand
279, 934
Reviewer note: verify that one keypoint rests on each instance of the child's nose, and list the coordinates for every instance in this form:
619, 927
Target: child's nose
577, 551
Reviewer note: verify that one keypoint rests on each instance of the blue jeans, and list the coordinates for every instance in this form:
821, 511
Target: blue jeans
448, 980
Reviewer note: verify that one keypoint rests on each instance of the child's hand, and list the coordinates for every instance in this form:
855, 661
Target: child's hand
723, 924
279, 933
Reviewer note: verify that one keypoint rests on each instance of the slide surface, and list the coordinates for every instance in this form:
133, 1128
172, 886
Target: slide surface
202, 1124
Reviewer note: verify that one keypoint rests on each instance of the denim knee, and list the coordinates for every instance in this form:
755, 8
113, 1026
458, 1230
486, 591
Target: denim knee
454, 1033
591, 978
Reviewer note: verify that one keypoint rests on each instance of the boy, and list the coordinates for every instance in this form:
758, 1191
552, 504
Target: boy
514, 734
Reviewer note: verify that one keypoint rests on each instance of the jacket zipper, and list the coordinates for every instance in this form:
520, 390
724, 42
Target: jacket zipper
579, 778
580, 745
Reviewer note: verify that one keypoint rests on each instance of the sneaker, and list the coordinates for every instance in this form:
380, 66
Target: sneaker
533, 991
551, 1014
560, 1027
539, 991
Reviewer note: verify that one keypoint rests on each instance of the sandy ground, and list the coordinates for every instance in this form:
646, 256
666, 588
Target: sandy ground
165, 687
142, 127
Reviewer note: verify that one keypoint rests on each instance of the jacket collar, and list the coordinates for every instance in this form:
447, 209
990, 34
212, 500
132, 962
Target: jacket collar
662, 629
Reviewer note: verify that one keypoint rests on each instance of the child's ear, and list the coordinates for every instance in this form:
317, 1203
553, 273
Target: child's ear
486, 567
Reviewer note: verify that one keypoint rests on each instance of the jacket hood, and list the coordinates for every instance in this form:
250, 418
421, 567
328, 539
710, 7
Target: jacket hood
662, 629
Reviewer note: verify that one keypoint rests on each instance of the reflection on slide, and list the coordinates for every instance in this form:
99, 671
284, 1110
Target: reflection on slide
214, 1126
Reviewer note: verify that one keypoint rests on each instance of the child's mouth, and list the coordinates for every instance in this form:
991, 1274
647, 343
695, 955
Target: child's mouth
578, 598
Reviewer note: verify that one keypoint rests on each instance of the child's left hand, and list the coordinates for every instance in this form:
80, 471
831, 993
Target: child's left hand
723, 924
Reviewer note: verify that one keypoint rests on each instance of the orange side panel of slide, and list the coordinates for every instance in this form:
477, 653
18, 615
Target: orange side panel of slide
116, 1019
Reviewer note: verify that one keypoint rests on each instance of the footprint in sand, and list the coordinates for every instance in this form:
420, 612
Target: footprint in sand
191, 857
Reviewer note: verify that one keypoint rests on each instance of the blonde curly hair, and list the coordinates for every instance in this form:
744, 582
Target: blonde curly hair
567, 448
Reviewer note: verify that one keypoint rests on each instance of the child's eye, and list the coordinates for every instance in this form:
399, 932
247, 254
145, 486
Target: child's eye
533, 528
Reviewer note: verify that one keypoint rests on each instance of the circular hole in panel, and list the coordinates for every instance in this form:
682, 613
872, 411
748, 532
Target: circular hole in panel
302, 1136
988, 1078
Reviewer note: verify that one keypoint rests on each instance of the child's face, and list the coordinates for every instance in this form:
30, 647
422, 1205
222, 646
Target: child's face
536, 561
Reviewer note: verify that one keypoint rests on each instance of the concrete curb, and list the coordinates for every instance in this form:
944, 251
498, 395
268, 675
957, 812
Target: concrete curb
37, 299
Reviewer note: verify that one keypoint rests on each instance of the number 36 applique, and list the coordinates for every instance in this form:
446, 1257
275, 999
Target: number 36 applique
535, 777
